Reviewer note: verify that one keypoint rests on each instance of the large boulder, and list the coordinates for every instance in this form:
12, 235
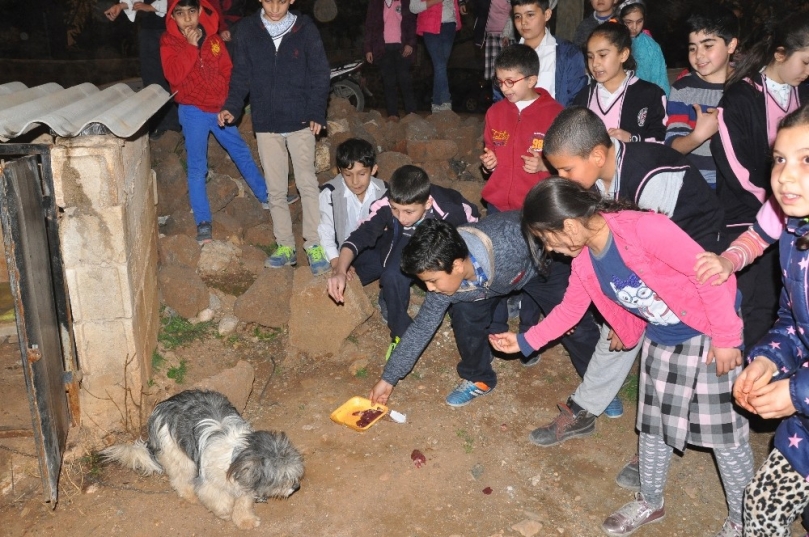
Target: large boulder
182, 290
317, 325
420, 129
225, 227
247, 211
216, 256
266, 302
221, 190
235, 383
425, 151
181, 222
389, 162
172, 187
445, 122
260, 235
178, 250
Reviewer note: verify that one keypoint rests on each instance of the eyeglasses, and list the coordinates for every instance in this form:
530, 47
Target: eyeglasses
508, 82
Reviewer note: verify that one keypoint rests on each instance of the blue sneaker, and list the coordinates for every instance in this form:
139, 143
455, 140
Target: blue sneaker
283, 256
615, 409
317, 260
465, 392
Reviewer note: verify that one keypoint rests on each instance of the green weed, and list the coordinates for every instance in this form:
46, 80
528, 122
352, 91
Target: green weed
178, 372
157, 361
269, 335
268, 249
93, 465
361, 373
177, 332
629, 391
468, 441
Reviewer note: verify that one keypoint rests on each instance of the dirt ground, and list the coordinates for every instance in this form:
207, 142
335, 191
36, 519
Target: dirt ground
360, 484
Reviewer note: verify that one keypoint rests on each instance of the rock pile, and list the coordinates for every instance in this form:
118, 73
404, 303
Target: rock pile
225, 280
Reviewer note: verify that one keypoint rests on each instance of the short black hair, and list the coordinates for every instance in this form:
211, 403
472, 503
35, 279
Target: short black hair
355, 150
714, 19
521, 58
187, 3
434, 246
409, 184
576, 131
545, 5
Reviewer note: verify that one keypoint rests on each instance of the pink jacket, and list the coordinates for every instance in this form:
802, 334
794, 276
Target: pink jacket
663, 256
429, 20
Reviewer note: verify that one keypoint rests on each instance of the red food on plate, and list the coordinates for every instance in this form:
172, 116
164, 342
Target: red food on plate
418, 458
367, 416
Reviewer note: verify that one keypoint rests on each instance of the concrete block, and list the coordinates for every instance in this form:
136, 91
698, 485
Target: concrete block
93, 238
98, 293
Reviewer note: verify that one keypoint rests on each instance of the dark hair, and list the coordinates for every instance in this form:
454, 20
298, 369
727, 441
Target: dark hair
714, 19
355, 150
556, 199
635, 6
521, 58
618, 35
576, 131
409, 184
545, 5
798, 118
787, 35
434, 246
187, 3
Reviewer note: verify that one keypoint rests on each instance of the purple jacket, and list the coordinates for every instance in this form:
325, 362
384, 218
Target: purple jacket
662, 255
375, 29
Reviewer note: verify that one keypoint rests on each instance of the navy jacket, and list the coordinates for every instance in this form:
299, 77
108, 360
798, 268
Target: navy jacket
288, 87
571, 74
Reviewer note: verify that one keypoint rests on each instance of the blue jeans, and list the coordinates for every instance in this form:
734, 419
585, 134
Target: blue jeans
196, 127
439, 46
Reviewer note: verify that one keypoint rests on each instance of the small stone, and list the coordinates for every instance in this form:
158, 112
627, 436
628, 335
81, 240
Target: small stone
214, 302
536, 480
477, 471
227, 325
527, 528
205, 315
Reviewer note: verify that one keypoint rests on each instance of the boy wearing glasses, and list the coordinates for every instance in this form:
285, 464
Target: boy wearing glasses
514, 131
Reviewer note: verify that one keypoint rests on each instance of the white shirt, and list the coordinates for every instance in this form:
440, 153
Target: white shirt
161, 6
546, 51
357, 212
779, 92
605, 97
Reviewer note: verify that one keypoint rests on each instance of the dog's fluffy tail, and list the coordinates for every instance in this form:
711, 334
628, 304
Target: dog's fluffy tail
135, 456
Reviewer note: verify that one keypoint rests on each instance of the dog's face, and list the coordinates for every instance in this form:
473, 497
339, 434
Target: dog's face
269, 466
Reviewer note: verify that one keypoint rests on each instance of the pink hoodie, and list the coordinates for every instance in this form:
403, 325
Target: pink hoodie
663, 256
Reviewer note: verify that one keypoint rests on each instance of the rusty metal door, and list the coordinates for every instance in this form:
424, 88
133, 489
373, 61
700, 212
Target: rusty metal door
23, 210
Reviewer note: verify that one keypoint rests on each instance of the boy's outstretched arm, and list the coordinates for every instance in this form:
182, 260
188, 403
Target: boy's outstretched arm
337, 281
381, 392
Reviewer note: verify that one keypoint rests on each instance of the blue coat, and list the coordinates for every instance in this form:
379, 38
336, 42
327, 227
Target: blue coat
787, 345
571, 74
288, 87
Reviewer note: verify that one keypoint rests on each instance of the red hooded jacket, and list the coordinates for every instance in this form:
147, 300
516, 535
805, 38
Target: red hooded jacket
200, 76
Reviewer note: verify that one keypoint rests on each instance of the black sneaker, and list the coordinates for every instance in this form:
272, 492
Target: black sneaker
629, 476
204, 233
565, 426
529, 361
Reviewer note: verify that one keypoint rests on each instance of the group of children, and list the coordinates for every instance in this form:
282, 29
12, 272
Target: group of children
701, 163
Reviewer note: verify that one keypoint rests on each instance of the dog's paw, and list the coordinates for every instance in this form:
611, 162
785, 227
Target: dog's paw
248, 522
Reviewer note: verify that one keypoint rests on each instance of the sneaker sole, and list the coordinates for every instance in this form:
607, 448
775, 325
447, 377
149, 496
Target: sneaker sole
458, 405
580, 434
267, 265
613, 416
636, 529
627, 486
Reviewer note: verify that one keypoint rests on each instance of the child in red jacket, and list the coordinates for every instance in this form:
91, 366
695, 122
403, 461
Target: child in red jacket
197, 66
515, 130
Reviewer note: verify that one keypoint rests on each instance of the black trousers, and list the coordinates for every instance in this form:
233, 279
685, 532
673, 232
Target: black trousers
472, 322
760, 285
151, 71
396, 71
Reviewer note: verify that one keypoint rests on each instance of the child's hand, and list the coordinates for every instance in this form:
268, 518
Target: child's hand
143, 6
755, 376
726, 359
532, 162
225, 35
620, 134
773, 400
707, 123
709, 264
315, 127
225, 118
193, 35
351, 273
505, 342
407, 50
615, 342
113, 12
489, 159
381, 392
369, 57
337, 285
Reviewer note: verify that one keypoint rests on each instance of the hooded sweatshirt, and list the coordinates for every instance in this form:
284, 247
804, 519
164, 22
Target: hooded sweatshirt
199, 75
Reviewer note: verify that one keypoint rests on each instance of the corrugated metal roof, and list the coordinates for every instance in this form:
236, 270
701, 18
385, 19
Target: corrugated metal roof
70, 111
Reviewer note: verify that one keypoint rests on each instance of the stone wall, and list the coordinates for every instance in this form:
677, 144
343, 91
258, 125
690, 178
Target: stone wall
108, 234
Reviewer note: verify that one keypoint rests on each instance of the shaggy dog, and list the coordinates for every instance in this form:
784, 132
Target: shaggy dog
209, 452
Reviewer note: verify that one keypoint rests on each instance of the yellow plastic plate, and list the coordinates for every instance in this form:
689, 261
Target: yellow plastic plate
350, 413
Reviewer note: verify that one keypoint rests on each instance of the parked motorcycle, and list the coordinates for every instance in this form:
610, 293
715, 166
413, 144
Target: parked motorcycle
347, 83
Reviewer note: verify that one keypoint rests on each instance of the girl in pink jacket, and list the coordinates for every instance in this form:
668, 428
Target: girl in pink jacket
689, 359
